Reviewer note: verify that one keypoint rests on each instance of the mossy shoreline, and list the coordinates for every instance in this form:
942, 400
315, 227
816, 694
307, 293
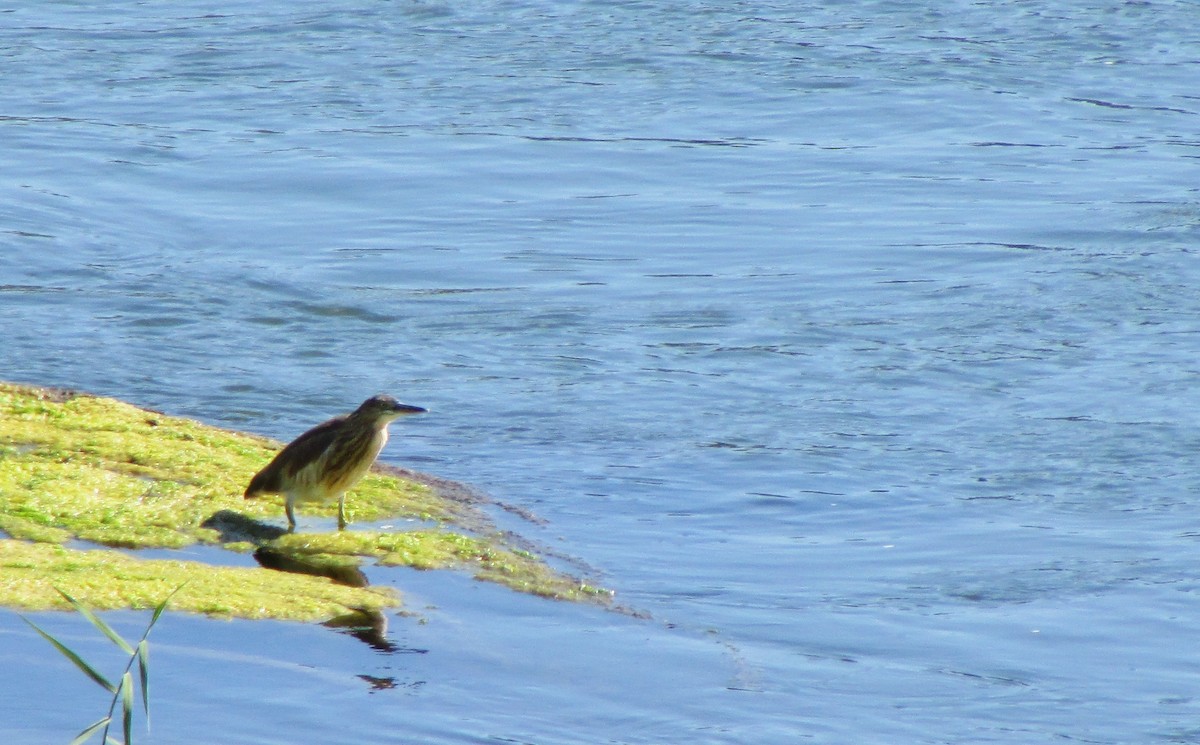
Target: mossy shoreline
76, 467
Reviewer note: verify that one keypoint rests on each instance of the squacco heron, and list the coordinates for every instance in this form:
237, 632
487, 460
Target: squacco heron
321, 464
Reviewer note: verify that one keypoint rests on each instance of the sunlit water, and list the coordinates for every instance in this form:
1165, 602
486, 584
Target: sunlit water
853, 344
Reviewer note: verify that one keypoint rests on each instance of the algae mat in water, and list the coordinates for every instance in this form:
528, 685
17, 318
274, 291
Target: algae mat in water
76, 467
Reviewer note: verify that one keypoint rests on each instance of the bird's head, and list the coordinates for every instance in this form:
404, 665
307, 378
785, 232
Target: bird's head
383, 409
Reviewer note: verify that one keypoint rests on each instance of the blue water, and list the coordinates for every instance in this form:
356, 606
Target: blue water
854, 345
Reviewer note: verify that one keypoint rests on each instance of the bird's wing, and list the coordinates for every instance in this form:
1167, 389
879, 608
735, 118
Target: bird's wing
299, 453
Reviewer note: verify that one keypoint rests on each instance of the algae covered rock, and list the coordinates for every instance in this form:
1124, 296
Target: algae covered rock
76, 467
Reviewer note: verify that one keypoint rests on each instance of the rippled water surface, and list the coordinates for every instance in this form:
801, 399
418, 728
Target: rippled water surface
854, 345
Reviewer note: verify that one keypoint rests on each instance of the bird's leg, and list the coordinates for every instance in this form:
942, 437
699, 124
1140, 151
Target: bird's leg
342, 512
291, 515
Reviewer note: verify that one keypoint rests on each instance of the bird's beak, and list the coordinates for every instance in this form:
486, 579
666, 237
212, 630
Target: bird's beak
404, 409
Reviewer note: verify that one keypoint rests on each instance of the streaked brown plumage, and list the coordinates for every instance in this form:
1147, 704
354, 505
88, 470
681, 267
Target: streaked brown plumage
321, 464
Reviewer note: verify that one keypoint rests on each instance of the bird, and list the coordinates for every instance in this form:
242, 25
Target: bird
321, 464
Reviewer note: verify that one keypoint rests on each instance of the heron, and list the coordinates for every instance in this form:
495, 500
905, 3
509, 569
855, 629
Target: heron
321, 464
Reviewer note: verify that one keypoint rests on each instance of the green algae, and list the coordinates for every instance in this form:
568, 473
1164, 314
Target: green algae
108, 580
81, 467
433, 549
114, 474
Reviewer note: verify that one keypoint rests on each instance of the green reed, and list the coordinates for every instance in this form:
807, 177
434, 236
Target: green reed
123, 691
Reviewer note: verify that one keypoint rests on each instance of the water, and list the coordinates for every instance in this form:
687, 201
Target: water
853, 344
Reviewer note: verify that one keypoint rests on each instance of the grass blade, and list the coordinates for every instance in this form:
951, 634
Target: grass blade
127, 706
123, 692
83, 736
143, 655
87, 669
98, 623
158, 609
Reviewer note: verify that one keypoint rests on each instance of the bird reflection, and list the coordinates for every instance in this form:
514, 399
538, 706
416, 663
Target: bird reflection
270, 558
380, 684
366, 625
